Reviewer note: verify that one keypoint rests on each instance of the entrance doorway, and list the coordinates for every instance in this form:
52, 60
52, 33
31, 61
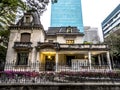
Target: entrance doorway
49, 63
69, 60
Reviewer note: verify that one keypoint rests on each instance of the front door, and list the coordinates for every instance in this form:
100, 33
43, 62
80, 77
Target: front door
68, 60
49, 63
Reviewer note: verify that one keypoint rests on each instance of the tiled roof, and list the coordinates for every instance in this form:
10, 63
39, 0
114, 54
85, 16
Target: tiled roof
62, 30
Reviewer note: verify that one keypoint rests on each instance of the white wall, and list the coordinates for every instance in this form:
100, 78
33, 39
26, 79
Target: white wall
15, 35
79, 40
61, 39
10, 51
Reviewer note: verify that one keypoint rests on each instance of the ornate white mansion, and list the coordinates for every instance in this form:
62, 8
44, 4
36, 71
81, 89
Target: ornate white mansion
59, 48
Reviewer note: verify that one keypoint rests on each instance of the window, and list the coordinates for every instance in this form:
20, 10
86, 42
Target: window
27, 19
25, 37
69, 60
22, 58
69, 41
69, 30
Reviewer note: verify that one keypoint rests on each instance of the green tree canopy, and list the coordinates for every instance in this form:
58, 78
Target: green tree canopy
8, 11
113, 40
2, 53
4, 37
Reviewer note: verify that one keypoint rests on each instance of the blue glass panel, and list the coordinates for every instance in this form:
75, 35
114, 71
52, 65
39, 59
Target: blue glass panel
67, 13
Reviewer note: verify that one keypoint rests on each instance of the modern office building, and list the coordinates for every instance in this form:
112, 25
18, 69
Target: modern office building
91, 35
112, 22
67, 13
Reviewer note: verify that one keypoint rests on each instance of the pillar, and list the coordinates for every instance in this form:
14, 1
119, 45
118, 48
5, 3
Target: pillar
37, 61
56, 65
102, 59
33, 56
89, 58
108, 59
33, 59
99, 60
38, 58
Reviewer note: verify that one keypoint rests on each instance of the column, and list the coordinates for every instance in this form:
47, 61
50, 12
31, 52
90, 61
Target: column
56, 66
102, 59
37, 61
99, 60
108, 59
33, 61
89, 58
33, 56
38, 58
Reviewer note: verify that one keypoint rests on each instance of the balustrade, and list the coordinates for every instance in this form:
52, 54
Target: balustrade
22, 45
84, 46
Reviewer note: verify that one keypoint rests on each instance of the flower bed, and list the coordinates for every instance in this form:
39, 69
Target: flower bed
110, 74
12, 74
63, 76
89, 76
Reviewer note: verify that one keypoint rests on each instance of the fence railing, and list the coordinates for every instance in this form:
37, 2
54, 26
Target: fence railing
41, 73
55, 67
60, 67
22, 45
84, 46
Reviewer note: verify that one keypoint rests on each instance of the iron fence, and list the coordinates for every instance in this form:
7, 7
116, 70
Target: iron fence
42, 73
36, 66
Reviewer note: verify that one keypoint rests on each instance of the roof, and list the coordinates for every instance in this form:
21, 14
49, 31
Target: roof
35, 23
62, 31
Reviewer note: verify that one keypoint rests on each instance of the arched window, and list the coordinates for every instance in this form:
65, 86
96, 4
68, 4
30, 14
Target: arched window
25, 37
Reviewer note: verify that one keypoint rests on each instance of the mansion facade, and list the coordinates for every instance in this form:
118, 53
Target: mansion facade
56, 49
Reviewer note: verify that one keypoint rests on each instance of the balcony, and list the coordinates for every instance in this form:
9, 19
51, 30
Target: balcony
22, 45
42, 45
84, 46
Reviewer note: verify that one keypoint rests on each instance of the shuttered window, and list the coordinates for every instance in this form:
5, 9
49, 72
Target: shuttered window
22, 58
25, 37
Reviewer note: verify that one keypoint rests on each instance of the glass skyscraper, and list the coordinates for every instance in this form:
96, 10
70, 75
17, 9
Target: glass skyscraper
67, 13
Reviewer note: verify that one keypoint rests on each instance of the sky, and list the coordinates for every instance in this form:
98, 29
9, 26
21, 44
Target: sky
93, 11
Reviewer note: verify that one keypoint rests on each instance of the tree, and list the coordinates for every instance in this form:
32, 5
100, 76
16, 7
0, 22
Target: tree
38, 5
113, 40
8, 11
54, 1
4, 37
3, 51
